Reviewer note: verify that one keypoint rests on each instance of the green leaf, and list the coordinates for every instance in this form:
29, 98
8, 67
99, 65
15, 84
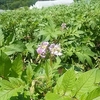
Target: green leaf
88, 59
47, 38
47, 68
92, 95
10, 88
5, 64
97, 80
15, 47
76, 32
59, 87
88, 51
1, 38
17, 66
56, 34
79, 32
53, 96
29, 72
10, 38
93, 24
56, 65
98, 98
29, 47
84, 83
80, 57
69, 53
66, 82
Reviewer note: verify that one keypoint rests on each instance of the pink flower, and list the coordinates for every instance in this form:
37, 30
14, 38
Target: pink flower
41, 50
55, 49
45, 48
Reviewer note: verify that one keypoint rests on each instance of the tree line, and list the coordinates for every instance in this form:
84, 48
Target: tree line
14, 4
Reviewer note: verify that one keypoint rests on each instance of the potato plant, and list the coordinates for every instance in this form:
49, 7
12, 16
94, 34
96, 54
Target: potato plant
51, 54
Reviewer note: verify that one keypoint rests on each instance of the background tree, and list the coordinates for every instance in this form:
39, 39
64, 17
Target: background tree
13, 4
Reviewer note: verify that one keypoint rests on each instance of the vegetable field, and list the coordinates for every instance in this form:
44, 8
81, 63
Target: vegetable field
51, 54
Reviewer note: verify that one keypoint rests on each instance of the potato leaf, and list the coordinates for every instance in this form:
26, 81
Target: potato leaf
84, 83
17, 66
5, 64
10, 88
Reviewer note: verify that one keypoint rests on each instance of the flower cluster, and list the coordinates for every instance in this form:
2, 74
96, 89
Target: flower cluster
44, 47
41, 50
55, 49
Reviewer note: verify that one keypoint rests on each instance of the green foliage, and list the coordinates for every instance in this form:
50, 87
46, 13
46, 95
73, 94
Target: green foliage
5, 64
29, 73
54, 96
71, 85
1, 37
17, 66
50, 32
84, 84
10, 88
65, 83
24, 75
93, 94
13, 48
